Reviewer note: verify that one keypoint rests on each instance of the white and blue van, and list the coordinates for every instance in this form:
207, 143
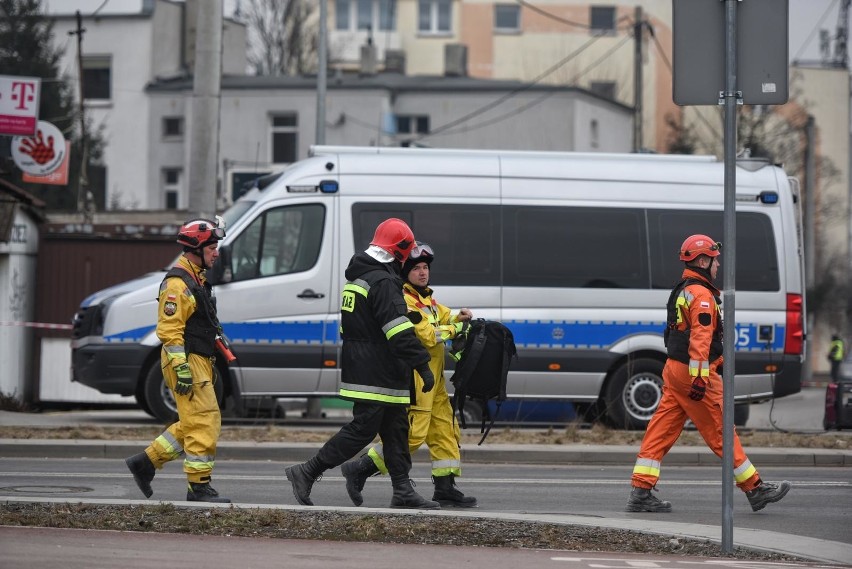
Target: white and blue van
576, 253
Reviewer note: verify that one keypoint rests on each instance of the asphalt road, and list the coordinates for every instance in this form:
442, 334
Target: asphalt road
37, 548
814, 518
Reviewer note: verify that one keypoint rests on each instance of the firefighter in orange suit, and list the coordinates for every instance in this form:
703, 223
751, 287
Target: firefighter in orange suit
431, 416
188, 327
692, 386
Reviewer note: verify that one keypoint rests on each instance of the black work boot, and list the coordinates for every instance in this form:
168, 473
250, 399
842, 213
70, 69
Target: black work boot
143, 472
302, 477
356, 473
641, 500
404, 496
203, 492
766, 493
447, 494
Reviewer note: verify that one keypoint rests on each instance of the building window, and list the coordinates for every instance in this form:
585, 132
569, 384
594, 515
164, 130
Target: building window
172, 127
412, 124
603, 88
507, 17
285, 131
171, 187
594, 134
97, 78
351, 15
434, 16
603, 18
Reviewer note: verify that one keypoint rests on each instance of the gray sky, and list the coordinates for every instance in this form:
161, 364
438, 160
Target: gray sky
807, 17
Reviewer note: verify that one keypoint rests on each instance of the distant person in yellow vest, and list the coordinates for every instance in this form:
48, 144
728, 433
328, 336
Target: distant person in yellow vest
836, 352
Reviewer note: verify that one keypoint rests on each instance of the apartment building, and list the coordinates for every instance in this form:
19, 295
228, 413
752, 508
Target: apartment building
589, 44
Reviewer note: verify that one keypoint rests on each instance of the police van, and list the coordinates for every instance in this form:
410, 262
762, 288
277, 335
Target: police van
575, 253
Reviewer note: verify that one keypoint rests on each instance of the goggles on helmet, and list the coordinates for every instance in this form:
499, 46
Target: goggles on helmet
421, 250
717, 246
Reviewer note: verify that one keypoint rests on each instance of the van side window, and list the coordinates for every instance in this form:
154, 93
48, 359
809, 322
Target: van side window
466, 237
575, 247
280, 241
757, 257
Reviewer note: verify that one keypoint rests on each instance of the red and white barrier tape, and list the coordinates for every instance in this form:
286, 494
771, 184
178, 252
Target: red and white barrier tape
39, 325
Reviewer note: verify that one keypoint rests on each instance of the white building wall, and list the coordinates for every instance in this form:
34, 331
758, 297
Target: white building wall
143, 46
123, 120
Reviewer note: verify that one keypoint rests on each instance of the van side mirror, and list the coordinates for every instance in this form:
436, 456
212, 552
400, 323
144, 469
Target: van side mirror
221, 272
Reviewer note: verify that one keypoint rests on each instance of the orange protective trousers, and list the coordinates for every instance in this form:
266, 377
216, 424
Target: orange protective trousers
668, 421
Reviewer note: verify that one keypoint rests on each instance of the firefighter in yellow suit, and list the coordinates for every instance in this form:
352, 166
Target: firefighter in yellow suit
430, 417
188, 326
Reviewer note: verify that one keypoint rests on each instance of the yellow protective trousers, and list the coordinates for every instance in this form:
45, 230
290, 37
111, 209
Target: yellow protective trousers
431, 421
199, 422
668, 420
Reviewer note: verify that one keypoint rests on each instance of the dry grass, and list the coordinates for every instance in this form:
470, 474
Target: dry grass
338, 526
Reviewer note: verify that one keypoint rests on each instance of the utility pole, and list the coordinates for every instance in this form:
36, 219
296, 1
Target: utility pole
82, 181
322, 71
638, 24
204, 132
810, 229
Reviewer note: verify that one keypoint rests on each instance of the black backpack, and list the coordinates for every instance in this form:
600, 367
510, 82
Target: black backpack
486, 350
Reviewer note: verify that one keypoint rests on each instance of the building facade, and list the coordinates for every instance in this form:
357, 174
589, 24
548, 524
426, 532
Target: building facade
125, 46
589, 44
269, 122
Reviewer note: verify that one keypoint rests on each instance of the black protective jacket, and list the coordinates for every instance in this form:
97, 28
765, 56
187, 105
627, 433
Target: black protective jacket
380, 347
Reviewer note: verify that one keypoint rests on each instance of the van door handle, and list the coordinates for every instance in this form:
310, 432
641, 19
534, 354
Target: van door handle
308, 293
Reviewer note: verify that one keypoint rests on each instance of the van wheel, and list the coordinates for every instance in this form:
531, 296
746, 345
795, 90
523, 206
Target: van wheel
633, 393
472, 414
741, 413
161, 399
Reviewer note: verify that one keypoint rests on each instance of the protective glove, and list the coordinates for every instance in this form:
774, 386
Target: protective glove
698, 390
428, 378
184, 379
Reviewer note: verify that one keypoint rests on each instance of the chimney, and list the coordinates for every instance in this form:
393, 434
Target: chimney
455, 60
395, 61
368, 58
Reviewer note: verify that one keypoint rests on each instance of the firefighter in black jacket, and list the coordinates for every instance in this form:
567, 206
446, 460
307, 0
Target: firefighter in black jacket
380, 349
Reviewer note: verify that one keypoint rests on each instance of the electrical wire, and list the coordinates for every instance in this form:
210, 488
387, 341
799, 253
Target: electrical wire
814, 29
512, 93
541, 99
551, 16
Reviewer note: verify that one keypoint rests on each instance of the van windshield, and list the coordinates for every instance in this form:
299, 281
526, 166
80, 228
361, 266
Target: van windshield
235, 212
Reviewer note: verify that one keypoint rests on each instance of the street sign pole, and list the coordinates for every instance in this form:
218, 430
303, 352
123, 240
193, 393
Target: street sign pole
730, 99
752, 68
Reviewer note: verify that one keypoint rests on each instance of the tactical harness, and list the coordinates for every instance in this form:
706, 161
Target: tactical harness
677, 341
199, 335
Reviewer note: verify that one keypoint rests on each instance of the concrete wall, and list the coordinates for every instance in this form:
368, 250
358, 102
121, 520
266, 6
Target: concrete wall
17, 304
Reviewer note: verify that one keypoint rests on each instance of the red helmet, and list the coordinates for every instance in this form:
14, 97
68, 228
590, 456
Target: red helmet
199, 233
699, 244
394, 236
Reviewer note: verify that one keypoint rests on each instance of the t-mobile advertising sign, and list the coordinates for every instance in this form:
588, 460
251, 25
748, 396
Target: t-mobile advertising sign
19, 98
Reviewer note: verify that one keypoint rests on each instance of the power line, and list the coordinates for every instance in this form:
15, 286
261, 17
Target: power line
554, 17
814, 30
514, 92
541, 99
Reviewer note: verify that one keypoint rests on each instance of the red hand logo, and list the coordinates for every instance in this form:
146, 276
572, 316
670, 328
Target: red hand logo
36, 148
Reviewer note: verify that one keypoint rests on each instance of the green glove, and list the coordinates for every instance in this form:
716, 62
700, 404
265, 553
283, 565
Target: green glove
184, 379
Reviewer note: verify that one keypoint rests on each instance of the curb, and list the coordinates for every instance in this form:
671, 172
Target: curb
503, 453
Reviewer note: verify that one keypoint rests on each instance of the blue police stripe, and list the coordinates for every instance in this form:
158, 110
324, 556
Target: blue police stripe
577, 334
